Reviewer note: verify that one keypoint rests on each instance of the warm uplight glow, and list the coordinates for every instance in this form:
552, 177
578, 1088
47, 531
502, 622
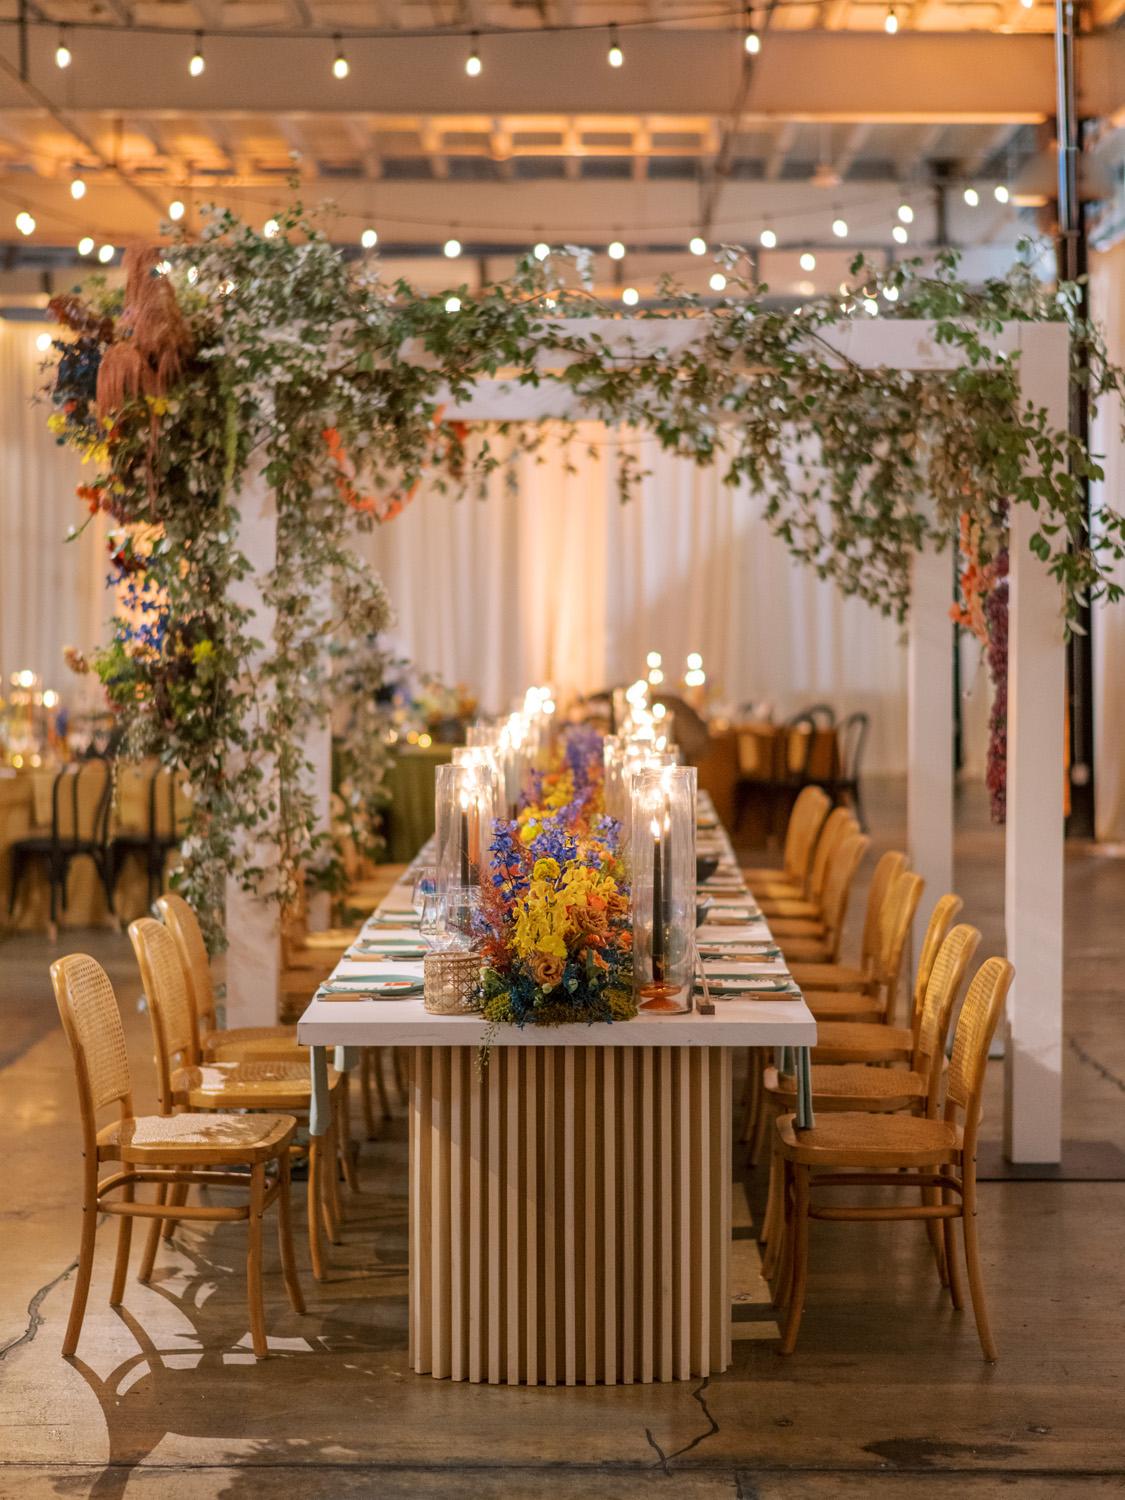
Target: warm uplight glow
630, 296
78, 188
768, 239
899, 234
718, 282
85, 245
452, 249
808, 261
453, 304
43, 342
616, 251
106, 254
840, 228
176, 210
369, 239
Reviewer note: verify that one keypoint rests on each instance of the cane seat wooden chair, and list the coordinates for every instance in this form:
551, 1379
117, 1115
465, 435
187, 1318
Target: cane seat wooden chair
805, 822
168, 1152
809, 907
851, 976
239, 1043
837, 892
188, 1083
897, 1151
877, 1000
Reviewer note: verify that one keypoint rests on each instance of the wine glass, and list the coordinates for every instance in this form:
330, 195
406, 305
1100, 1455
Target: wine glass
425, 882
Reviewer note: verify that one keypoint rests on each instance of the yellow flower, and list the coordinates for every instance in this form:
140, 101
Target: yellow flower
201, 650
545, 869
56, 422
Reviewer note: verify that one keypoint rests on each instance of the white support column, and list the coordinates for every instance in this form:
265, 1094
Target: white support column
1036, 768
929, 793
318, 751
253, 957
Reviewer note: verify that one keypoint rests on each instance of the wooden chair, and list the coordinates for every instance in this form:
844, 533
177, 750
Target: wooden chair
875, 1150
877, 998
834, 829
889, 867
837, 891
81, 798
805, 822
176, 1152
186, 1082
241, 1043
152, 844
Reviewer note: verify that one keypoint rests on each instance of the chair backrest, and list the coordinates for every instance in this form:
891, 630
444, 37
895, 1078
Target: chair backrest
173, 1026
92, 1022
162, 804
839, 822
81, 799
800, 739
905, 894
823, 715
947, 975
887, 871
758, 752
805, 822
964, 1084
852, 737
941, 920
838, 889
187, 934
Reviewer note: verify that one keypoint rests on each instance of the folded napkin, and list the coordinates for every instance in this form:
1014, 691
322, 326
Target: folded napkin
749, 933
732, 968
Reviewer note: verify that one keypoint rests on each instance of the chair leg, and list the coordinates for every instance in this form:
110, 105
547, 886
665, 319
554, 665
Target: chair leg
952, 1266
784, 1247
331, 1179
972, 1263
176, 1199
381, 1082
254, 1260
315, 1194
773, 1225
347, 1148
285, 1235
124, 1240
764, 1116
366, 1062
930, 1197
401, 1081
799, 1258
85, 1263
152, 1241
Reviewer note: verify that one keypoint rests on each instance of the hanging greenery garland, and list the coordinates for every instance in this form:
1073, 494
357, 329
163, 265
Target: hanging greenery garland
241, 353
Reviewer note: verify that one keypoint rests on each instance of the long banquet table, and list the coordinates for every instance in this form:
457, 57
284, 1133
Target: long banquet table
570, 1214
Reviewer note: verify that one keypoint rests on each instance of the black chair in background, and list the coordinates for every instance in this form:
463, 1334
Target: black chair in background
154, 843
80, 805
852, 736
823, 716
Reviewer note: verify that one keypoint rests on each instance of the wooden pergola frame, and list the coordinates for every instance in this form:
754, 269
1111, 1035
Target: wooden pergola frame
1036, 707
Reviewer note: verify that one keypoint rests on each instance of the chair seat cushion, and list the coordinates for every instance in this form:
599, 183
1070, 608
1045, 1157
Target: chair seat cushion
200, 1139
851, 1086
842, 1005
246, 1085
830, 976
255, 1044
870, 1140
861, 1041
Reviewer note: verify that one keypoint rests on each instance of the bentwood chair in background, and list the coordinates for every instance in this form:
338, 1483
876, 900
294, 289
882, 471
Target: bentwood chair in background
792, 881
844, 786
80, 806
188, 1084
833, 830
153, 843
201, 1150
838, 883
876, 981
844, 1150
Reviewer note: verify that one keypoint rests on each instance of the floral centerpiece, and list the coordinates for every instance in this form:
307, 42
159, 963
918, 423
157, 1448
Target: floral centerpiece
555, 924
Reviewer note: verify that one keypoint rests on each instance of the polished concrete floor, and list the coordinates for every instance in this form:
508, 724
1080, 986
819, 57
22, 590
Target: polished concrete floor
887, 1394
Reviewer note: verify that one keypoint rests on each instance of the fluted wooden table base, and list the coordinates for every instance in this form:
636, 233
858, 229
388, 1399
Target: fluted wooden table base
570, 1213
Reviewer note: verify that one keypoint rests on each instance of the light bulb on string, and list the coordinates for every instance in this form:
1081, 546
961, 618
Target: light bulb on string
630, 296
840, 228
62, 51
767, 239
891, 293
85, 245
753, 42
25, 223
453, 304
899, 234
542, 250
369, 239
718, 282
890, 25
808, 261
340, 66
615, 56
78, 188
1000, 193
43, 343
271, 229
452, 249
472, 62
906, 213
971, 196
175, 210
196, 66
106, 254
616, 250
698, 245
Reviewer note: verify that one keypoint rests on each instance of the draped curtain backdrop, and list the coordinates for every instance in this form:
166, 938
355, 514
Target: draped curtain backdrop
52, 592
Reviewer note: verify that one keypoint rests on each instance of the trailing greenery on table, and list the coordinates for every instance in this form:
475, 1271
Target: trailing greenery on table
244, 354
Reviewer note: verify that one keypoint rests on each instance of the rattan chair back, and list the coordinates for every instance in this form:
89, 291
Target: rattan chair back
838, 889
947, 977
941, 920
187, 934
835, 829
900, 906
92, 1023
976, 1027
805, 822
889, 867
174, 1033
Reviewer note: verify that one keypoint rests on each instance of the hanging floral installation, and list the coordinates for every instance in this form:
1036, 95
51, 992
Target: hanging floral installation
237, 355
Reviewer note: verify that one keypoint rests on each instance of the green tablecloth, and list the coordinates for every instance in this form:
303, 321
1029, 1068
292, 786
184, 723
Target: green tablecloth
410, 814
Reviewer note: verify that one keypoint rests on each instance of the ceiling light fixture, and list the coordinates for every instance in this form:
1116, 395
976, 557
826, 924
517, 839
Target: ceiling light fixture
452, 249
905, 214
106, 254
369, 239
971, 196
768, 239
698, 245
1000, 193
615, 56
808, 261
542, 250
899, 234
890, 25
630, 296
340, 66
718, 282
175, 210
453, 304
840, 228
271, 229
78, 188
25, 223
472, 62
85, 245
196, 66
752, 42
616, 251
62, 51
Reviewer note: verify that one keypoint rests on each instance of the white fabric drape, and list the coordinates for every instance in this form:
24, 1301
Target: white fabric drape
562, 583
1107, 300
52, 592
